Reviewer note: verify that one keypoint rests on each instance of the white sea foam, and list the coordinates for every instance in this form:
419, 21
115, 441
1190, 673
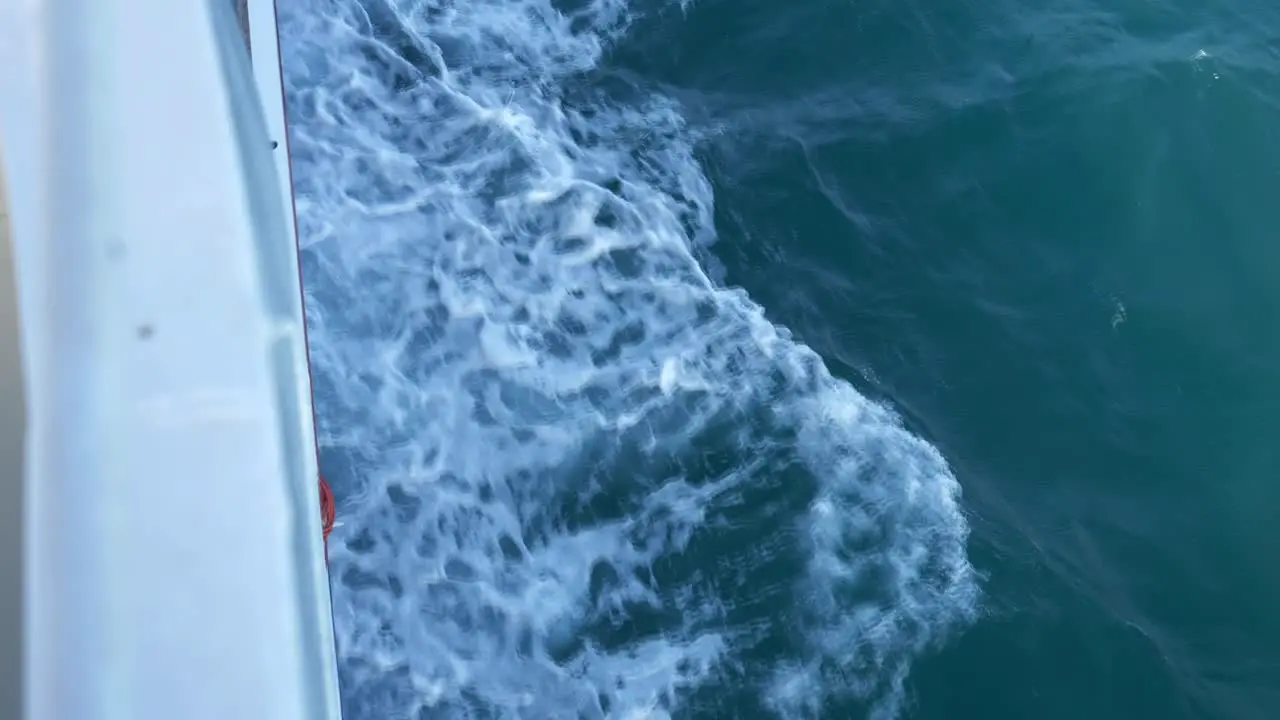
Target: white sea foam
509, 327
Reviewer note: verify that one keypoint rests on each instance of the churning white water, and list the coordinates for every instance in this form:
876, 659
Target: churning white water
522, 369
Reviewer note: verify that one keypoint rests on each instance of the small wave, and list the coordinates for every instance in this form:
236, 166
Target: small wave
545, 422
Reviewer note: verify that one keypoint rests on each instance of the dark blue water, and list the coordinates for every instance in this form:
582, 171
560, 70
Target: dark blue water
736, 359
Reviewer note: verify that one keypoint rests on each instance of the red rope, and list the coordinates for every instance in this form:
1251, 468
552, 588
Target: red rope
328, 513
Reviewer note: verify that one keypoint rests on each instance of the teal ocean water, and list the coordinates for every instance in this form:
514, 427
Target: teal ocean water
820, 359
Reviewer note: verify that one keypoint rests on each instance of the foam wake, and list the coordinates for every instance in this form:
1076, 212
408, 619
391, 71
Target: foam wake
578, 478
